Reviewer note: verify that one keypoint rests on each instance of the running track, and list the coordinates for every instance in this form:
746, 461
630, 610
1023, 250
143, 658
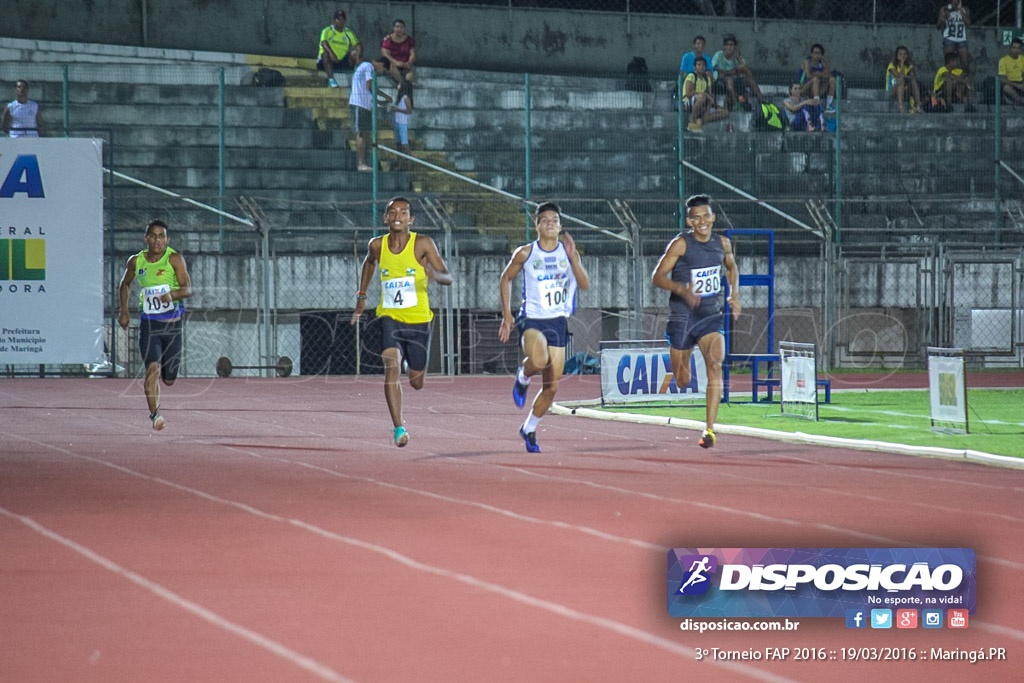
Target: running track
272, 532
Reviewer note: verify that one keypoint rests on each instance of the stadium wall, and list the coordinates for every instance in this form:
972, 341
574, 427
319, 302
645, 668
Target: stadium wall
495, 38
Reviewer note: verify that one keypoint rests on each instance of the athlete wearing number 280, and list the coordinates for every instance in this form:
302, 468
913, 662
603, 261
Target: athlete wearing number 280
691, 269
552, 272
407, 261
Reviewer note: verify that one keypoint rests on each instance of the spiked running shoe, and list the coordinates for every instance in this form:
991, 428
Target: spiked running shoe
519, 392
530, 440
707, 439
157, 420
401, 436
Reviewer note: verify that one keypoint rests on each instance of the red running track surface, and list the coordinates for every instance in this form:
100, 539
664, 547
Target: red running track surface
272, 532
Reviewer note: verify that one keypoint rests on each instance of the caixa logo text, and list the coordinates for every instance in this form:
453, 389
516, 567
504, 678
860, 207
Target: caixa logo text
22, 177
831, 577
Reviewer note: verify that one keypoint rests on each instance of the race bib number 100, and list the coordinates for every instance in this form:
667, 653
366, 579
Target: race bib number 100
399, 292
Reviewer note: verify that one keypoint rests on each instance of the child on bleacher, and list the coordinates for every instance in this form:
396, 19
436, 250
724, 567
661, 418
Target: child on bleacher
804, 112
901, 76
402, 108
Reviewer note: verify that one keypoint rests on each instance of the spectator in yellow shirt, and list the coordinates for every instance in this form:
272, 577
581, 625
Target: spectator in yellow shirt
951, 85
1011, 73
335, 48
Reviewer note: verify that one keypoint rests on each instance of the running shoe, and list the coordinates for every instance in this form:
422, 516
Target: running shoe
401, 436
331, 83
519, 392
157, 420
530, 440
707, 439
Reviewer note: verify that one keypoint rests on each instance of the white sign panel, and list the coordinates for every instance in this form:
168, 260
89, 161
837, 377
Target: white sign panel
799, 379
644, 375
947, 391
51, 250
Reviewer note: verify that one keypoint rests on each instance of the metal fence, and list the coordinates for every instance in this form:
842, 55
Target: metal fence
892, 232
984, 12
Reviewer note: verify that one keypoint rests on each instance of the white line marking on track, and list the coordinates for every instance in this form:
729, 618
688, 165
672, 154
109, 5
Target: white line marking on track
523, 598
272, 646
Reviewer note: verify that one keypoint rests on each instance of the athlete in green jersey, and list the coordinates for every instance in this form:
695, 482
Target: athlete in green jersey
164, 284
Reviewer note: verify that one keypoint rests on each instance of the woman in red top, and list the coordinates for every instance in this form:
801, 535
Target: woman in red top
400, 48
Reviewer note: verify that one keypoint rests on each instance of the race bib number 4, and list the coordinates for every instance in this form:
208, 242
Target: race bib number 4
706, 282
399, 292
151, 301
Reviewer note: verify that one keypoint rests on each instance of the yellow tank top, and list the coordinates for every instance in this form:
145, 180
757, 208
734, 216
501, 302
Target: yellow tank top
403, 284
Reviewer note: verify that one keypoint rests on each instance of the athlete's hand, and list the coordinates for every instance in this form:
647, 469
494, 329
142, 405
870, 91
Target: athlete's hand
505, 330
570, 245
735, 307
358, 313
122, 320
691, 299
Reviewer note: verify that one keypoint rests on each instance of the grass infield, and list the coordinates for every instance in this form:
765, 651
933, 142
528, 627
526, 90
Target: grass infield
995, 416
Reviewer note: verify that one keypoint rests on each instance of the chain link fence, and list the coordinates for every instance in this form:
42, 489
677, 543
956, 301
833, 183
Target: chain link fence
891, 232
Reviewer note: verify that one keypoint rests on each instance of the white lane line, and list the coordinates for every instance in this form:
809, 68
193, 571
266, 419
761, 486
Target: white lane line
511, 514
170, 596
523, 598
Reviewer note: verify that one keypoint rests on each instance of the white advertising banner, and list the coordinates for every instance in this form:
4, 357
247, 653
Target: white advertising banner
644, 375
947, 390
799, 379
51, 250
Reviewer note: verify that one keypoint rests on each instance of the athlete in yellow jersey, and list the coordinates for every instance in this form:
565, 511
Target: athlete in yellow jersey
407, 261
164, 283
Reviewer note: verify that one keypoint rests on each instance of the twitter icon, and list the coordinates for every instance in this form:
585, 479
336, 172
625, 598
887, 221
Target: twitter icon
881, 618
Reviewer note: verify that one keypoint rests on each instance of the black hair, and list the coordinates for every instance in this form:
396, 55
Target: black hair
398, 21
950, 57
696, 38
1017, 41
156, 224
399, 199
548, 206
386, 62
404, 90
728, 38
701, 59
820, 47
698, 200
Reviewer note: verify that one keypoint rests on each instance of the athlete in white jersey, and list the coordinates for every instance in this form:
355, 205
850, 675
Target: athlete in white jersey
953, 21
552, 272
21, 115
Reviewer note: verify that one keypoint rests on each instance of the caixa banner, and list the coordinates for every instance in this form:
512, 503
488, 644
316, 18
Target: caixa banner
816, 582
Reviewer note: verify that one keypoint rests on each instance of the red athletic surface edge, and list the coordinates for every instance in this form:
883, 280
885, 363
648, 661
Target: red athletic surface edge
272, 532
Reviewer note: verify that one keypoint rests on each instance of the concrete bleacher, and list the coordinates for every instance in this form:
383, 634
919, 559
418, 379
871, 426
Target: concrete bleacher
917, 176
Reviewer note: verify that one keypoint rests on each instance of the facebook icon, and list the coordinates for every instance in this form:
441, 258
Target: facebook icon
856, 618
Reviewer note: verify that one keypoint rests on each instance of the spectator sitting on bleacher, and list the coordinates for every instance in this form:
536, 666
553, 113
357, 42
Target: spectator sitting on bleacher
951, 85
816, 77
901, 76
690, 58
1011, 74
336, 48
729, 69
804, 113
697, 97
400, 48
21, 117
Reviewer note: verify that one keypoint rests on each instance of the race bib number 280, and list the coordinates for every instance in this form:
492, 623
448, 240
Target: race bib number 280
706, 282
